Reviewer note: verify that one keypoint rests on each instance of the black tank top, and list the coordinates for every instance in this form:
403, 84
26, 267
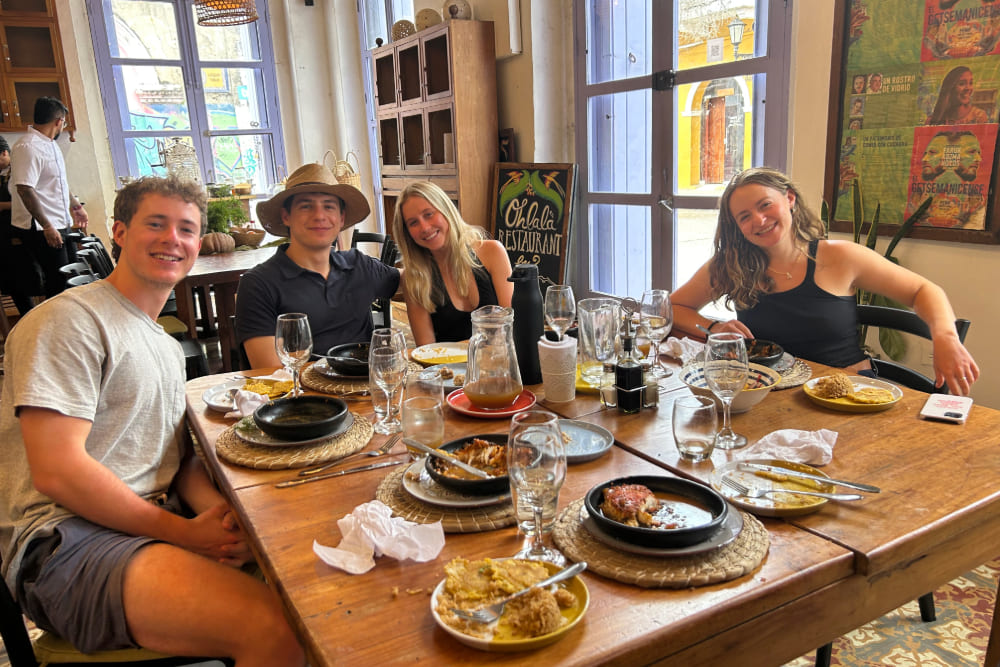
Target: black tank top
451, 324
807, 321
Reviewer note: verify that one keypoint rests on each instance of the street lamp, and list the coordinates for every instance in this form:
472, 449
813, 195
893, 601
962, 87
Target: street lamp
736, 29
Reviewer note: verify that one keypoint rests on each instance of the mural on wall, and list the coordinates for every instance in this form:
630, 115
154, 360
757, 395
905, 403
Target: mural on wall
917, 114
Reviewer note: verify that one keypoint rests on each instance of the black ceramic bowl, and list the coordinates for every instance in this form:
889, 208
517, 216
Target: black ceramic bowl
681, 493
300, 417
764, 352
479, 487
349, 358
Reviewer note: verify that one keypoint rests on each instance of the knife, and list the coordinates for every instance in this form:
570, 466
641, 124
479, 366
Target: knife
759, 467
348, 471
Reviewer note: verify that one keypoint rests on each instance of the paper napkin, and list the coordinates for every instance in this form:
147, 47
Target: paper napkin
811, 447
371, 530
684, 349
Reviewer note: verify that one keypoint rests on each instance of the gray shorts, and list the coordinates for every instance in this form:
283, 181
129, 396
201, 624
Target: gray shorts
70, 584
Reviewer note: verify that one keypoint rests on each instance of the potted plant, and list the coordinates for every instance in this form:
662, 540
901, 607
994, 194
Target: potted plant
222, 214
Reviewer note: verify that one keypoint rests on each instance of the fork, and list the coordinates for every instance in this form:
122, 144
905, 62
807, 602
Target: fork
492, 612
748, 492
381, 451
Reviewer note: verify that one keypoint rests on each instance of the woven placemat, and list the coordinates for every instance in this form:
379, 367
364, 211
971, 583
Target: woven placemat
454, 520
313, 379
798, 374
233, 449
741, 556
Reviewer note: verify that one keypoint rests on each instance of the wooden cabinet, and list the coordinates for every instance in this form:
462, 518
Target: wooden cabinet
31, 61
436, 102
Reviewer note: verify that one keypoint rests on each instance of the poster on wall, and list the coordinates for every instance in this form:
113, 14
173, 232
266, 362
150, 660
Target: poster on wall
914, 110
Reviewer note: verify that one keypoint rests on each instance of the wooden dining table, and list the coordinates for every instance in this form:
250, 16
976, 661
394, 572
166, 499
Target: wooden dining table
219, 274
824, 574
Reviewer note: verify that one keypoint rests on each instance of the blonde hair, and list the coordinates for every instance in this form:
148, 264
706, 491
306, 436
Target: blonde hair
738, 269
420, 265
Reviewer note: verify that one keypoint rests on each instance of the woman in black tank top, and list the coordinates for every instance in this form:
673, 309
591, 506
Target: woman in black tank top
450, 267
787, 283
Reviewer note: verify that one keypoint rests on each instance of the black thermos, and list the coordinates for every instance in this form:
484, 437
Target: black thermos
528, 321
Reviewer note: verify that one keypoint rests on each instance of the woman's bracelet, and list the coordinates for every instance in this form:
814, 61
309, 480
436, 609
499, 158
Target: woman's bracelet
712, 325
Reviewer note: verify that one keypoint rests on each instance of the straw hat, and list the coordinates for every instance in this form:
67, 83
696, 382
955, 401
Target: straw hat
312, 177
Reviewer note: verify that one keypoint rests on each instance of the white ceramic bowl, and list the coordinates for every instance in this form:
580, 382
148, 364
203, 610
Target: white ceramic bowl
760, 381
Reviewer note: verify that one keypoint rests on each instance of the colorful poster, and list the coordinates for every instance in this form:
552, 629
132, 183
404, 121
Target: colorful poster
952, 165
960, 29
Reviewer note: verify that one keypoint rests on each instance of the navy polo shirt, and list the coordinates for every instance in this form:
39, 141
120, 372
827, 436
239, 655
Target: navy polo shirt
339, 307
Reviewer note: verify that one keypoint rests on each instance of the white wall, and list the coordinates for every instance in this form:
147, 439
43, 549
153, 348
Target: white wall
319, 78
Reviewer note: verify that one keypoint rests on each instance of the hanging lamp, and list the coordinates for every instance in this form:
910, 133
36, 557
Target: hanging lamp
225, 12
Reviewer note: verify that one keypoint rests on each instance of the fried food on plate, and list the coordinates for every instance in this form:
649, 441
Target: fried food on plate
871, 395
833, 386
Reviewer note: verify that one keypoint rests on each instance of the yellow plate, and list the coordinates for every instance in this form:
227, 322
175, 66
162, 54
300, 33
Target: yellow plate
572, 615
441, 353
772, 504
583, 387
846, 404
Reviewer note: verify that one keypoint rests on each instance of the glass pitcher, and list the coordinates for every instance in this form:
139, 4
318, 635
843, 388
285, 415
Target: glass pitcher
492, 379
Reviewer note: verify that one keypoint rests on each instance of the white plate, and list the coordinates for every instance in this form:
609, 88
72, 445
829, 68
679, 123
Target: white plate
248, 431
441, 353
459, 368
418, 483
726, 534
218, 398
586, 441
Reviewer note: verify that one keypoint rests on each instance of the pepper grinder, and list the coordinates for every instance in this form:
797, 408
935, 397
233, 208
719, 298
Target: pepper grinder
528, 321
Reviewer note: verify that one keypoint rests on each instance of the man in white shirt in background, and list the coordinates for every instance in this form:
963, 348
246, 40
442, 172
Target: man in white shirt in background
44, 211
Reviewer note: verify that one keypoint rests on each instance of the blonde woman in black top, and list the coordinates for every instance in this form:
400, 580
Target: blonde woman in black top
451, 267
791, 285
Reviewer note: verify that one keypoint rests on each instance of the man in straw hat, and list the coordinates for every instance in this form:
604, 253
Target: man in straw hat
307, 274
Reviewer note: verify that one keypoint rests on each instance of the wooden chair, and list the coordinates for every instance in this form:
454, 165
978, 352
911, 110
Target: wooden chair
909, 322
388, 254
49, 649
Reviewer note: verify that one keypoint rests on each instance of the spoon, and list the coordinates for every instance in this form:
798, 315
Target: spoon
445, 456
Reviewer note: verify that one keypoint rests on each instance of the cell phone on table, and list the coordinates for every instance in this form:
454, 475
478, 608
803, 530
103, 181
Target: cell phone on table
947, 408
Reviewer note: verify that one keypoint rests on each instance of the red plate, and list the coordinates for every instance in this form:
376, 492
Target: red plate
459, 402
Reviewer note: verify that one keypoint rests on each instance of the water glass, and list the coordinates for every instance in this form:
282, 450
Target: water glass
387, 337
423, 409
293, 343
726, 373
599, 320
536, 464
695, 423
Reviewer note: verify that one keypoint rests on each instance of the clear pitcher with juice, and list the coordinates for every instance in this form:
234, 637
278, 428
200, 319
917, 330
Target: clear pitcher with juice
492, 378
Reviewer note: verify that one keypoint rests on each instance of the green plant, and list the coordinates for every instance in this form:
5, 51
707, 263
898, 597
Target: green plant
892, 342
224, 213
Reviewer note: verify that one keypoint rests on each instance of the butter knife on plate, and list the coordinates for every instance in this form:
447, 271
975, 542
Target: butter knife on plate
778, 470
348, 471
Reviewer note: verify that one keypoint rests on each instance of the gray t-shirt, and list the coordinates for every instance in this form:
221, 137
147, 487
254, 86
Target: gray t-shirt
89, 353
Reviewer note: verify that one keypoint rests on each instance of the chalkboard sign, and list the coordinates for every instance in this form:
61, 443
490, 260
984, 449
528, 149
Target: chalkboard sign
532, 215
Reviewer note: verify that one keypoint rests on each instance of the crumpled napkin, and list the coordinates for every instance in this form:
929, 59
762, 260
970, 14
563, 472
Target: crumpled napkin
245, 402
684, 349
371, 530
812, 447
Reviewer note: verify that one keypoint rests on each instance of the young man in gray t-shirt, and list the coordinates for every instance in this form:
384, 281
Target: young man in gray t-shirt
112, 534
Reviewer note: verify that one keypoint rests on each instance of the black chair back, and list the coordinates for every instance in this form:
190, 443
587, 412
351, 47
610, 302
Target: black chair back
76, 269
83, 279
388, 254
909, 322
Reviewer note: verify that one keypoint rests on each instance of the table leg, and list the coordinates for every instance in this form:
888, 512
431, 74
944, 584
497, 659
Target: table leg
993, 648
225, 302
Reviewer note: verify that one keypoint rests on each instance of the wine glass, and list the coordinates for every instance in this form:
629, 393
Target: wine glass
392, 338
423, 409
656, 318
560, 308
388, 368
293, 343
536, 464
726, 374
